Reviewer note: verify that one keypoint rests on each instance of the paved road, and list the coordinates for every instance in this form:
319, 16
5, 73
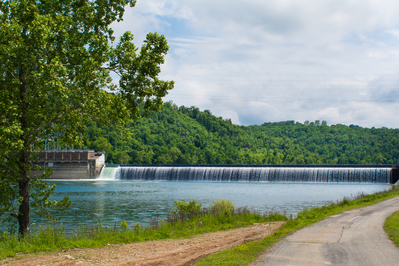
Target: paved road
352, 238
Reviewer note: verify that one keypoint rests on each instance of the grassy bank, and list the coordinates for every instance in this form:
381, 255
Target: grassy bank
391, 227
245, 254
189, 218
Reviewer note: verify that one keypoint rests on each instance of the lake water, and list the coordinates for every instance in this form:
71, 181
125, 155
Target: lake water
113, 201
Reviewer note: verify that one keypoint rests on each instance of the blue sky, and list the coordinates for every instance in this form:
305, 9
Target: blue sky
260, 61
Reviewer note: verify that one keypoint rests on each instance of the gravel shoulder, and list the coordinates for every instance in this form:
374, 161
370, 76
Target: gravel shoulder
165, 252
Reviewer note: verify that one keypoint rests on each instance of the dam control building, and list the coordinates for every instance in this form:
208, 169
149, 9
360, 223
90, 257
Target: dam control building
72, 164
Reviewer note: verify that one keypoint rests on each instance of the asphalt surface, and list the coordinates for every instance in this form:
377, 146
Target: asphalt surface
355, 237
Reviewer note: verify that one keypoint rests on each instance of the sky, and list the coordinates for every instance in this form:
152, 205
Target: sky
257, 61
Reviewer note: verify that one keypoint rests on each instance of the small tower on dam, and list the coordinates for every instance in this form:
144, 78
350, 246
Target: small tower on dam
395, 173
72, 164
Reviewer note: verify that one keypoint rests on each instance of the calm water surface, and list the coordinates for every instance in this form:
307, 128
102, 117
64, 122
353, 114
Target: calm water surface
111, 202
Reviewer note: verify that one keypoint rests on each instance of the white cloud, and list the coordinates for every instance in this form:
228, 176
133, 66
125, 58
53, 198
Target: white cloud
394, 32
258, 61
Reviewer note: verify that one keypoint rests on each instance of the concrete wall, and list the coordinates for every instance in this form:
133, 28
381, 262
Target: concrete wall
88, 169
68, 170
100, 163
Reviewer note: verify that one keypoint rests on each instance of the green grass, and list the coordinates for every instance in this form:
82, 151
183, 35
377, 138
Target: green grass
391, 227
246, 253
177, 225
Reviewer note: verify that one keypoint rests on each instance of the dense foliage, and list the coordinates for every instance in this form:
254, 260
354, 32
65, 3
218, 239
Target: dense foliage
182, 135
56, 61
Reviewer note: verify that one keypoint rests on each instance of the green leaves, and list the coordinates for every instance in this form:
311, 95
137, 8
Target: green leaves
41, 192
138, 73
190, 207
56, 59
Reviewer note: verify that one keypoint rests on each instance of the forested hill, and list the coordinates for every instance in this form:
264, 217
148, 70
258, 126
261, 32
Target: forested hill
181, 135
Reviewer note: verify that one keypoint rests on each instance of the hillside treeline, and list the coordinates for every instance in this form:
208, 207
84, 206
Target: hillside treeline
186, 135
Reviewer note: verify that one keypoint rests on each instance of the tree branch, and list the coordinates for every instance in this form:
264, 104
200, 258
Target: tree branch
53, 120
10, 169
112, 69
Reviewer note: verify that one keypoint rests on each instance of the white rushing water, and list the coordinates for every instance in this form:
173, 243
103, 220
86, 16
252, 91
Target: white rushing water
262, 174
109, 173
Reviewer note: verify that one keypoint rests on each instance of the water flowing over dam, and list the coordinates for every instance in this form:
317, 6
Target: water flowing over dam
269, 173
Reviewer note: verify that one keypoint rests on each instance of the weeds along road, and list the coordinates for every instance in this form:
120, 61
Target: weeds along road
355, 237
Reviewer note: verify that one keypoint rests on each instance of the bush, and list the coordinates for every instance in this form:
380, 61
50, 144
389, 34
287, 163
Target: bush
123, 226
221, 206
190, 207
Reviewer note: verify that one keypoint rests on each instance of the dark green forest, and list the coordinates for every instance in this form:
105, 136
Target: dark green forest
186, 135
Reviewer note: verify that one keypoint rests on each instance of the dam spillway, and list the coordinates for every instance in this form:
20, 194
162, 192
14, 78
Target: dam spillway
256, 173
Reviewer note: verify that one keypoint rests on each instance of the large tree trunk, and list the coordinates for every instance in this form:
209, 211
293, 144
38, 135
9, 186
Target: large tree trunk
23, 215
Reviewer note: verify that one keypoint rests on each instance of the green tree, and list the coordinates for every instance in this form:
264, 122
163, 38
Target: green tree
102, 144
55, 63
122, 157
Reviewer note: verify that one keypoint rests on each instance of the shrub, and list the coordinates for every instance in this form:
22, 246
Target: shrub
190, 207
123, 226
221, 206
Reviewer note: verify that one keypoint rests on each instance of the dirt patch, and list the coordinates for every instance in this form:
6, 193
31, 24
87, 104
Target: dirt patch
166, 252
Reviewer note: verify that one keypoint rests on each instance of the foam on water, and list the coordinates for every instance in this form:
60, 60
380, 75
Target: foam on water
109, 173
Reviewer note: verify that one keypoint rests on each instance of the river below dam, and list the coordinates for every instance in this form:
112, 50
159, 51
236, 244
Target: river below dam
111, 201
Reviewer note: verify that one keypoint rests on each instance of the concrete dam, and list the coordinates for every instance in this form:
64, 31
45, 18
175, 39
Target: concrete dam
88, 164
261, 173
